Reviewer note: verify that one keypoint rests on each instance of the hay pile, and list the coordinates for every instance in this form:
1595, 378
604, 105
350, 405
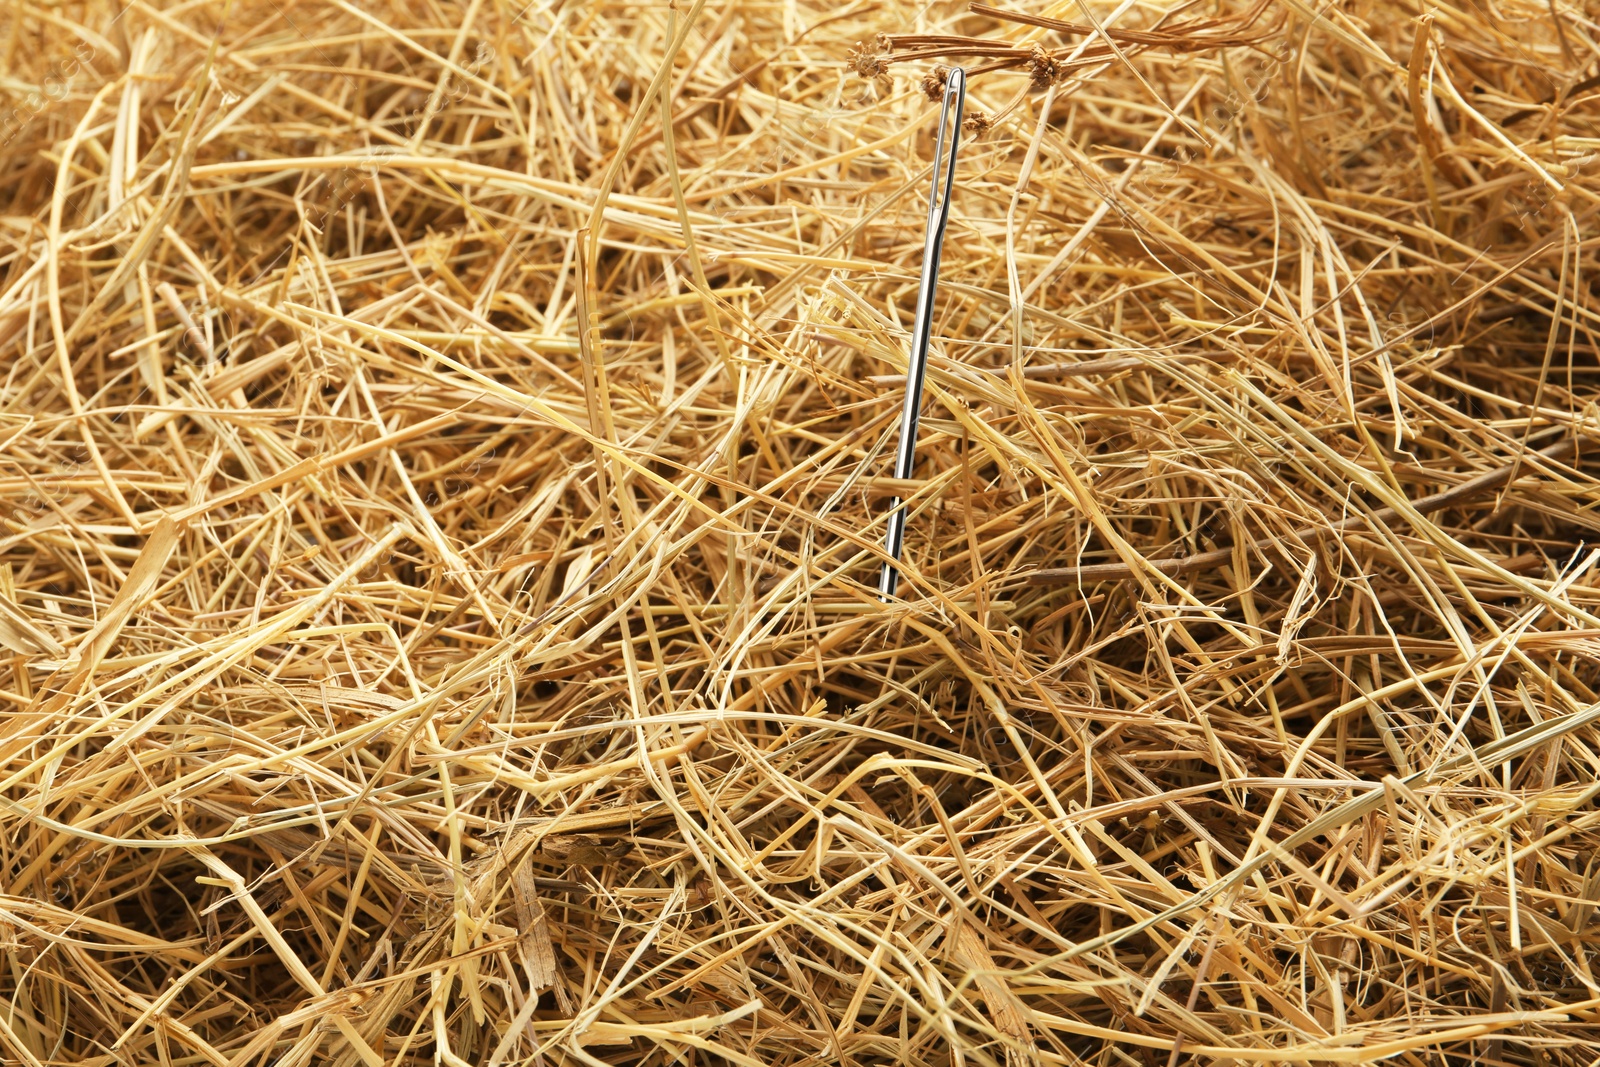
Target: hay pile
443, 450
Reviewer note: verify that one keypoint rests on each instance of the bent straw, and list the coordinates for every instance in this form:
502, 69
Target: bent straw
933, 243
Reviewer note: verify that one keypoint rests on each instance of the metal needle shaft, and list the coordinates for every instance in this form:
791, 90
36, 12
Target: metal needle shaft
944, 171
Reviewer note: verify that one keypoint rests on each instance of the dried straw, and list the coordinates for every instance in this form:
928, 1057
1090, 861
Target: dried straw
443, 469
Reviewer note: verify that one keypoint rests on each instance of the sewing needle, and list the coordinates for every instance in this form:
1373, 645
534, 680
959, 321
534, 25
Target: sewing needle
944, 170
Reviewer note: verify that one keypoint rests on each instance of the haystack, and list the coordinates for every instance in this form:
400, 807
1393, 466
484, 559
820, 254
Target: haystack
443, 460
